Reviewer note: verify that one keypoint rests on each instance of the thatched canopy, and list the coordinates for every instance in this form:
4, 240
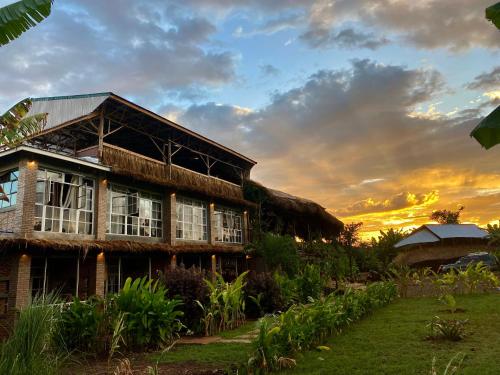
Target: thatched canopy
115, 246
141, 168
285, 213
438, 253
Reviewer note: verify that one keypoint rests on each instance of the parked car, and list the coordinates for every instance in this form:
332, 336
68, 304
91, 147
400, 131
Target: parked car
489, 260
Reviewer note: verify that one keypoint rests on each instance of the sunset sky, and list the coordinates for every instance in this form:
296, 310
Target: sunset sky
364, 106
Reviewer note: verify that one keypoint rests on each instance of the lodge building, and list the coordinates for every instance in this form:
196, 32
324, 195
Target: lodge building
108, 189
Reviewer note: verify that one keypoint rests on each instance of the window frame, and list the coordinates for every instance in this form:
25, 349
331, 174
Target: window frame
225, 234
58, 216
187, 210
11, 193
135, 224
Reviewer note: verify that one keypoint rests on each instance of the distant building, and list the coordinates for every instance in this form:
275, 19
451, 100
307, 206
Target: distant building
433, 244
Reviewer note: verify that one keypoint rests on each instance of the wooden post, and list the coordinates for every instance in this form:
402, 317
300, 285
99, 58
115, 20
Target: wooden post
44, 290
77, 275
100, 133
214, 266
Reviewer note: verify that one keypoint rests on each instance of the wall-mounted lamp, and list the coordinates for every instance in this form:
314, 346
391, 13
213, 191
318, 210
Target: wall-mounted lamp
31, 164
100, 256
247, 257
172, 195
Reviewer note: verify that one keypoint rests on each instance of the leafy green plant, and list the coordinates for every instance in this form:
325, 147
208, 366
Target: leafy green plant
82, 325
450, 302
150, 318
31, 347
309, 283
447, 329
476, 275
225, 308
307, 326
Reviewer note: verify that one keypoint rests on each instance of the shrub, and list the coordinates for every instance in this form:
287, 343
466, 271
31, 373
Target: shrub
303, 327
188, 286
279, 252
31, 349
150, 318
83, 325
309, 283
447, 329
262, 295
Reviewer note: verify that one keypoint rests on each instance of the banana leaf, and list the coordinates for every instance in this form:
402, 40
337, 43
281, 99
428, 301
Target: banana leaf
21, 16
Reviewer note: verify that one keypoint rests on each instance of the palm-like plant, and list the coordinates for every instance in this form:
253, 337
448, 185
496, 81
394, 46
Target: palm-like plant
21, 16
493, 234
16, 125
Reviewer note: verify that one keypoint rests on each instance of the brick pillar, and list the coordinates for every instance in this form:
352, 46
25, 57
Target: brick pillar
169, 218
173, 261
100, 275
21, 280
26, 197
101, 208
212, 234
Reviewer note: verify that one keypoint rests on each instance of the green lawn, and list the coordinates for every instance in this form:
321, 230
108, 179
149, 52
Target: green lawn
390, 341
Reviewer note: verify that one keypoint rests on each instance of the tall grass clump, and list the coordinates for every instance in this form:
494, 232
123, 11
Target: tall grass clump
225, 308
31, 348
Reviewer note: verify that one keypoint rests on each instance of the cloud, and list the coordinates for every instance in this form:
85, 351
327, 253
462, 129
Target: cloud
486, 81
142, 49
453, 24
340, 127
269, 70
395, 202
345, 38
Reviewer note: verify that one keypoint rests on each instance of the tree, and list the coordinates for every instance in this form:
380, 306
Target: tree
493, 234
16, 125
383, 245
349, 238
447, 216
21, 16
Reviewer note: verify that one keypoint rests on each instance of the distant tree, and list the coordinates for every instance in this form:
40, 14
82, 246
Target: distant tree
383, 245
349, 238
493, 234
21, 16
447, 216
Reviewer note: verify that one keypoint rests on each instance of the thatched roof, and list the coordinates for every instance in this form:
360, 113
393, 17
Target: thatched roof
141, 168
115, 246
301, 216
437, 253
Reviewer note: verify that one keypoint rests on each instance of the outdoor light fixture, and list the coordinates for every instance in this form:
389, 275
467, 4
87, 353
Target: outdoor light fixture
31, 164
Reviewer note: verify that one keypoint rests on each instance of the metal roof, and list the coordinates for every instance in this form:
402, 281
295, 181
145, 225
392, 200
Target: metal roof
66, 108
435, 232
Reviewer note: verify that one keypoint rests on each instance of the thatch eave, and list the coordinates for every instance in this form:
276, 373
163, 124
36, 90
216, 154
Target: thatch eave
117, 246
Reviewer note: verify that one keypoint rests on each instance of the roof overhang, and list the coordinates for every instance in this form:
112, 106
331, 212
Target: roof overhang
53, 155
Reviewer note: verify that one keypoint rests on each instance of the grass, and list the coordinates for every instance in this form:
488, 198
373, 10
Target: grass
223, 354
390, 341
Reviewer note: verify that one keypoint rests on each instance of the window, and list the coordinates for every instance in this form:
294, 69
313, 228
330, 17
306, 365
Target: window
191, 220
228, 226
64, 203
134, 213
8, 188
